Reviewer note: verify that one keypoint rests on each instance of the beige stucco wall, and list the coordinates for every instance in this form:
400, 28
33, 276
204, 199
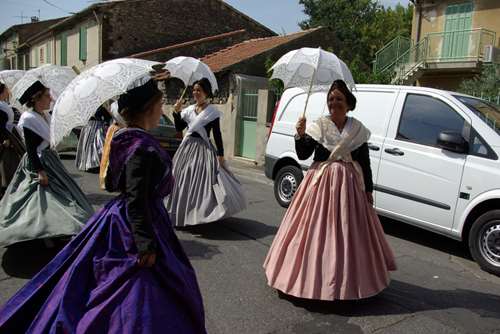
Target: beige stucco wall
73, 55
486, 15
10, 55
47, 47
73, 52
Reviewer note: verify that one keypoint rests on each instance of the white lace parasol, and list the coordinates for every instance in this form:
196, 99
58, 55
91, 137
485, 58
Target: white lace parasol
81, 98
189, 70
11, 77
54, 77
310, 67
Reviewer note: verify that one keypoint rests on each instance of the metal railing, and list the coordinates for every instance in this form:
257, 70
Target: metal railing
456, 46
386, 58
486, 97
411, 60
463, 45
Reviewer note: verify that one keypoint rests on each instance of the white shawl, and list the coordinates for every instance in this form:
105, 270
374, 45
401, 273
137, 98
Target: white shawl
197, 122
340, 144
4, 106
36, 123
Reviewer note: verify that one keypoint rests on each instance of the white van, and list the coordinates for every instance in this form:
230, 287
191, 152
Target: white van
434, 157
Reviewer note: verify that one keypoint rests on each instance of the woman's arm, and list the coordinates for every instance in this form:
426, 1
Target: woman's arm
3, 126
304, 146
362, 156
32, 142
180, 124
138, 185
215, 124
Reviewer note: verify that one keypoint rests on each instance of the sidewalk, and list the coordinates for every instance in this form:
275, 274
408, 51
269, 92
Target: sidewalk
247, 169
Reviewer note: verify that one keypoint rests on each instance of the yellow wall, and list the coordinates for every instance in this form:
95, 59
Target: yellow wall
73, 44
486, 15
10, 55
92, 46
47, 47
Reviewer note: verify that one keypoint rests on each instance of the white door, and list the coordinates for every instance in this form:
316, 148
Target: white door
417, 181
374, 109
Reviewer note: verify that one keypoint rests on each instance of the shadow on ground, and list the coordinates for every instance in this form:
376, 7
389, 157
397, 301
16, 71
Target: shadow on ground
199, 250
404, 298
67, 156
26, 259
231, 229
426, 238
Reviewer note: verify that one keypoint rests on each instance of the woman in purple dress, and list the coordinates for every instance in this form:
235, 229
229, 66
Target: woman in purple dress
126, 271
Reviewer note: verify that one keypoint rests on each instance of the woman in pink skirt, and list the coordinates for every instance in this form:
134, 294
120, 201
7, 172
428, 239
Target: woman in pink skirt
331, 245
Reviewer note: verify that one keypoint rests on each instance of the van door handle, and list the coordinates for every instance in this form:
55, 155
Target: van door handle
373, 147
394, 151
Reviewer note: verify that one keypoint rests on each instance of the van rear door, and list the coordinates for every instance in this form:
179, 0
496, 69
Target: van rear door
284, 125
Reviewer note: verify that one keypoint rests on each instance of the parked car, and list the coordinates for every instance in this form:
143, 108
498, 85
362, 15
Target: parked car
167, 135
434, 157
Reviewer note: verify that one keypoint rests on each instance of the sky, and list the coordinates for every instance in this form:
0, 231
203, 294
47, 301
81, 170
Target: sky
282, 16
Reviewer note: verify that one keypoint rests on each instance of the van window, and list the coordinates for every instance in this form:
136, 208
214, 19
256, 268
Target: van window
424, 117
479, 147
295, 108
487, 112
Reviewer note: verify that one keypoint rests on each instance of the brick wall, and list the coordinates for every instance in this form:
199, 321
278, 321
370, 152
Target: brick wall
140, 25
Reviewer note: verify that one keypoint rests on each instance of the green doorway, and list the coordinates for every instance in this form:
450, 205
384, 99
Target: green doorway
248, 123
457, 31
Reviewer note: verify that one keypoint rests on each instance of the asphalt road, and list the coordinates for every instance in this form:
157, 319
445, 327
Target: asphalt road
437, 288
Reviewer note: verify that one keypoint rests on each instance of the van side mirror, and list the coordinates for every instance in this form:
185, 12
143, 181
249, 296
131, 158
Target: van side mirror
453, 141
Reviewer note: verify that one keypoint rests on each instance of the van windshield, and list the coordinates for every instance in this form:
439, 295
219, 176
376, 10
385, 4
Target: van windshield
488, 112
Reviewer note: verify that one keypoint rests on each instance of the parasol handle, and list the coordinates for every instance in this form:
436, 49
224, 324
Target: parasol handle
183, 93
75, 69
309, 93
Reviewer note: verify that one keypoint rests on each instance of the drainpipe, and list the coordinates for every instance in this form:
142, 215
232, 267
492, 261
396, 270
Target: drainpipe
99, 33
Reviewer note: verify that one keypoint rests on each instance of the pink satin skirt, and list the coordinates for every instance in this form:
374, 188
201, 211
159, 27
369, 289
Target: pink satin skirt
330, 245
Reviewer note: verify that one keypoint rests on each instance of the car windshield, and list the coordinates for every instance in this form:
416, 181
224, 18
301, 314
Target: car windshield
487, 111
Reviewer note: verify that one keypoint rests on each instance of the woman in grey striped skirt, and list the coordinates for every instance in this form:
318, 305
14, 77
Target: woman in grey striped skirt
205, 190
91, 142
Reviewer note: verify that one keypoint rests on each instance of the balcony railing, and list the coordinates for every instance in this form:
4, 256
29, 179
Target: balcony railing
386, 58
455, 46
463, 45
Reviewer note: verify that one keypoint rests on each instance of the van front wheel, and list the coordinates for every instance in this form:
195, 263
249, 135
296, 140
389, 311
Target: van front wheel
286, 183
484, 241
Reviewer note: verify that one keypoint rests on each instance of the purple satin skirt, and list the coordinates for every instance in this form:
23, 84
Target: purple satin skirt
94, 284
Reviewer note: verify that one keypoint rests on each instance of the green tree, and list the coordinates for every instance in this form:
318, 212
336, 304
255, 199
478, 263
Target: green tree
361, 27
486, 84
275, 85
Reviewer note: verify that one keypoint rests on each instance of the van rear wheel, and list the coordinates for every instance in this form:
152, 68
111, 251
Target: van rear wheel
286, 183
484, 241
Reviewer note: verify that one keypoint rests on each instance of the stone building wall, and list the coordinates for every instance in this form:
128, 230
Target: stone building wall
140, 25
